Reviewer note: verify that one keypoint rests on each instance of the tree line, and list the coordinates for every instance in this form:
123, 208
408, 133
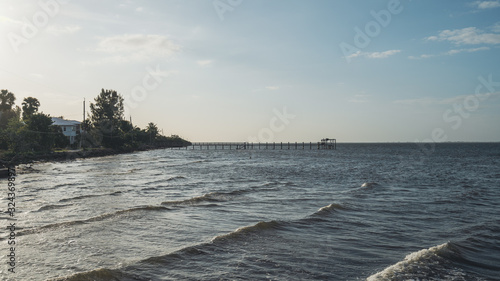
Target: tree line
26, 131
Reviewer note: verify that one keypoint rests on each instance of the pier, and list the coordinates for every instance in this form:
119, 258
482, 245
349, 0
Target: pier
330, 144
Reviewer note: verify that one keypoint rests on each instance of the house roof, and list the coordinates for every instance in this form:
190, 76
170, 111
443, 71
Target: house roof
61, 122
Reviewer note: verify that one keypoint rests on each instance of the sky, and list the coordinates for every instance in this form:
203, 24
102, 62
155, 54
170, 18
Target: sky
265, 70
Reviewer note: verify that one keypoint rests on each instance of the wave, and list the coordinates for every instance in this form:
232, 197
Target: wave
216, 196
176, 178
370, 185
92, 219
133, 170
57, 186
181, 164
101, 274
209, 197
152, 266
329, 209
246, 230
141, 269
435, 263
90, 196
160, 181
52, 207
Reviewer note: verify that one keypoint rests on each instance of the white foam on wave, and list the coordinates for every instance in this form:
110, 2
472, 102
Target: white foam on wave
262, 225
409, 261
369, 184
330, 207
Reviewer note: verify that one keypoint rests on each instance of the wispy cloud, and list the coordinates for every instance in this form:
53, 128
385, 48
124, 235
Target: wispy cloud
486, 4
467, 36
37, 75
272, 88
464, 36
7, 20
204, 63
420, 101
361, 98
137, 47
450, 53
496, 27
58, 30
470, 50
424, 56
374, 55
426, 101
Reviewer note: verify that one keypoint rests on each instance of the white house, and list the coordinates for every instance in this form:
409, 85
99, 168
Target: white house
69, 127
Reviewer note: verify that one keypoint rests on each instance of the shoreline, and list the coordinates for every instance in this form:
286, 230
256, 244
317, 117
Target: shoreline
72, 155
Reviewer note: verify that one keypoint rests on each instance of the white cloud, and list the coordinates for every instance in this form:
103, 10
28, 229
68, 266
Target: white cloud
487, 4
204, 63
37, 75
7, 20
137, 47
496, 27
426, 101
374, 55
470, 50
357, 101
361, 98
382, 55
139, 9
467, 36
58, 30
424, 56
421, 101
273, 88
451, 53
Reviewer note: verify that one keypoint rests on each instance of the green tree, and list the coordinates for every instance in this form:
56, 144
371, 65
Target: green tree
7, 109
125, 126
86, 125
60, 140
152, 131
108, 106
41, 134
30, 107
7, 100
106, 114
18, 137
6, 116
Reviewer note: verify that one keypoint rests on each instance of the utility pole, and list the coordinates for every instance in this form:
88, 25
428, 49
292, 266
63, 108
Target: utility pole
81, 127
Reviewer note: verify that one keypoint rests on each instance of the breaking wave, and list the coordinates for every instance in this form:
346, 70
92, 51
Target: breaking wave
435, 263
370, 185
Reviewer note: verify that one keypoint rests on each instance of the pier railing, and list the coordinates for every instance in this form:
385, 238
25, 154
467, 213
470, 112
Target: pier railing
330, 144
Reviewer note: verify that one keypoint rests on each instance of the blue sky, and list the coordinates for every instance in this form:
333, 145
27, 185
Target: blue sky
255, 70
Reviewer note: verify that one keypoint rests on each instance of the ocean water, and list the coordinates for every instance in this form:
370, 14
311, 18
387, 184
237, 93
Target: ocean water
361, 212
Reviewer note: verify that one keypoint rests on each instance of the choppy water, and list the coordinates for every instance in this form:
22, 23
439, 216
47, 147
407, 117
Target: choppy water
364, 211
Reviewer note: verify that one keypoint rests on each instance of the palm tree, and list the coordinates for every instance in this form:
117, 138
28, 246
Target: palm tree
30, 107
152, 130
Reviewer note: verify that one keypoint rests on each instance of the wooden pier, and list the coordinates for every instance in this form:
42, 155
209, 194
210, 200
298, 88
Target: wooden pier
323, 144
